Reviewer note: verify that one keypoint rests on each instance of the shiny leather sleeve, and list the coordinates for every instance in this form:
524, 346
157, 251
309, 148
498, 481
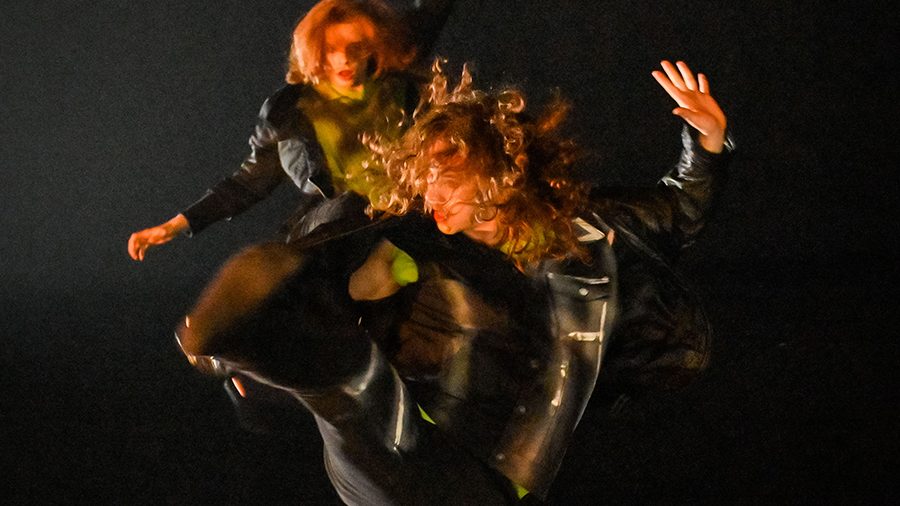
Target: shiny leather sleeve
259, 174
670, 215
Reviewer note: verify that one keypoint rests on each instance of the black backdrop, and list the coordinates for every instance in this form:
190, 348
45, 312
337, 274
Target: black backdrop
117, 114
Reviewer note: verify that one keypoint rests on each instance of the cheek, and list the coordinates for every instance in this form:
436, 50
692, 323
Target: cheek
331, 59
432, 193
463, 218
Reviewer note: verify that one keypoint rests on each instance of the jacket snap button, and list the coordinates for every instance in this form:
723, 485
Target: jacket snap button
583, 291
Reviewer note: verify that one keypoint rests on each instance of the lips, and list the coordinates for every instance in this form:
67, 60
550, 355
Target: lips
346, 75
439, 216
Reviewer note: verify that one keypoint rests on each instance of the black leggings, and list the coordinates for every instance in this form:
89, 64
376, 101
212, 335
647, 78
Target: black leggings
285, 319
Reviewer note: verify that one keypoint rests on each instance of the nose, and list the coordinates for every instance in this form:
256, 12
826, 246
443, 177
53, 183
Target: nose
434, 196
340, 58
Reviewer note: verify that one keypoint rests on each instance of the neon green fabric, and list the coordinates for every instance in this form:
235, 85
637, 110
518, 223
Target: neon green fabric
340, 122
538, 239
520, 491
425, 415
403, 268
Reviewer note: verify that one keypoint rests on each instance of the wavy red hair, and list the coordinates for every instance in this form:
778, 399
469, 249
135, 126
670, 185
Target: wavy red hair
391, 44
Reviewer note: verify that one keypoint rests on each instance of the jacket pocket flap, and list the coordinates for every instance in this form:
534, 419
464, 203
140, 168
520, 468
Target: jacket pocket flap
580, 288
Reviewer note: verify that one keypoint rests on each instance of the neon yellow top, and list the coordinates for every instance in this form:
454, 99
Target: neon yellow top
340, 121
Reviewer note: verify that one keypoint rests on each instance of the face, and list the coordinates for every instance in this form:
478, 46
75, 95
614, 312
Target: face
451, 198
451, 193
347, 51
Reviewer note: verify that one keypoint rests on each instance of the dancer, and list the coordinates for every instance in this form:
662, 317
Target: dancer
471, 394
345, 78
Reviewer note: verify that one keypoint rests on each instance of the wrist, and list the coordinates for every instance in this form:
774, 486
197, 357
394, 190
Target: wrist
714, 139
176, 225
713, 143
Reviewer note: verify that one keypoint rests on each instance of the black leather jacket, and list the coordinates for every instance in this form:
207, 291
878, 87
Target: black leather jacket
506, 363
627, 309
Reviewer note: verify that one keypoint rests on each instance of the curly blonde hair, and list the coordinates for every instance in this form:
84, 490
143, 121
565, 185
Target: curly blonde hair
520, 164
391, 44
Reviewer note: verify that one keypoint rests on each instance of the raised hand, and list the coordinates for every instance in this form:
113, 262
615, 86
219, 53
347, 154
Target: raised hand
695, 105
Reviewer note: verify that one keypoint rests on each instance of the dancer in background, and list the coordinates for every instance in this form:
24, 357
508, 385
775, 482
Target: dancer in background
346, 78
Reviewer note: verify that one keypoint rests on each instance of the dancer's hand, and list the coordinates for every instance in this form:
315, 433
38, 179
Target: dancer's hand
374, 280
140, 242
695, 105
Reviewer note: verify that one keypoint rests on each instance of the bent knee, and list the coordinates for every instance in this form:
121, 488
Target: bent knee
239, 289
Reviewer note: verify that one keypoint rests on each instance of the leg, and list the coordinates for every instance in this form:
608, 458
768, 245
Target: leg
286, 320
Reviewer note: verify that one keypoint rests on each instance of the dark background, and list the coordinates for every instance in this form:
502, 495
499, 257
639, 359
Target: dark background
115, 115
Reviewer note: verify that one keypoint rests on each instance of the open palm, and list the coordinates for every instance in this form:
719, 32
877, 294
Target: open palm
695, 105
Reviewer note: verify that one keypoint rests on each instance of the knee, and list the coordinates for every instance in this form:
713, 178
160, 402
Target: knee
238, 290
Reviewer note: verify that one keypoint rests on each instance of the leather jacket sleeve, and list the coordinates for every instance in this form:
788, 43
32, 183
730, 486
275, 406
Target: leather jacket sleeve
258, 176
669, 216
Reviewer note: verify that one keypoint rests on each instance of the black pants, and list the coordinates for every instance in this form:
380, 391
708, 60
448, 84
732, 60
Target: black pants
285, 319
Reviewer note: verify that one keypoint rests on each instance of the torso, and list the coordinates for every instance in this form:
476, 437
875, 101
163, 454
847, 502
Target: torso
340, 123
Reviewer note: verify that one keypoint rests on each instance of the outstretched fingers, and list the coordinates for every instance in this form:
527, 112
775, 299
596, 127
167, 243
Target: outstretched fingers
673, 74
687, 76
667, 84
695, 105
703, 84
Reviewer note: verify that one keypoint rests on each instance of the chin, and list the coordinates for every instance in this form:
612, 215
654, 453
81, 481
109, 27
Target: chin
445, 228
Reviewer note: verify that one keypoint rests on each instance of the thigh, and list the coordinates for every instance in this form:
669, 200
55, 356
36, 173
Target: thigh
379, 450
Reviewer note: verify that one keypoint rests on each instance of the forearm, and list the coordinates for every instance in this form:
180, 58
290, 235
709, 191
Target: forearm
177, 225
699, 173
258, 176
670, 215
229, 198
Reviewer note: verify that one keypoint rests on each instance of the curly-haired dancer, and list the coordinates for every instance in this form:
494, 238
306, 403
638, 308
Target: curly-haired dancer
471, 392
